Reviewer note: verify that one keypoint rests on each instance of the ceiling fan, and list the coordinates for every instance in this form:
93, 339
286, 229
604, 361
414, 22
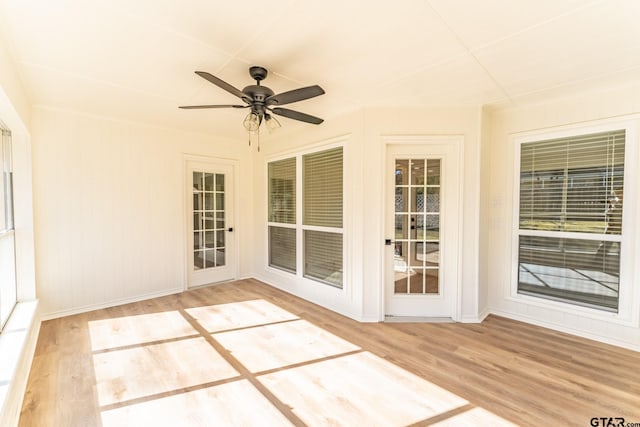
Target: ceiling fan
263, 101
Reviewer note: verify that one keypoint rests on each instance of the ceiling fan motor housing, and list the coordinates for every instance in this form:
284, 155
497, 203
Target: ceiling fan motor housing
258, 73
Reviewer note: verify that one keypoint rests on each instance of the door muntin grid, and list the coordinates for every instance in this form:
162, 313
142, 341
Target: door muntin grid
417, 258
209, 241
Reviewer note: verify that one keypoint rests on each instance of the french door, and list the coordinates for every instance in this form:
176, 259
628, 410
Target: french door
422, 229
210, 242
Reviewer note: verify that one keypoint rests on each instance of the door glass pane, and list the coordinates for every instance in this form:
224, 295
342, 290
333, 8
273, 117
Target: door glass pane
219, 182
208, 201
416, 281
220, 257
209, 223
401, 226
401, 200
210, 259
197, 181
220, 220
432, 254
432, 281
198, 242
402, 172
417, 172
417, 232
209, 239
419, 223
433, 200
198, 260
432, 227
417, 199
208, 182
208, 220
433, 172
197, 221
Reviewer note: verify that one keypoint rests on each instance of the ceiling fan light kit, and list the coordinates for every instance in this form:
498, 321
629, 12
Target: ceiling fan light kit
263, 102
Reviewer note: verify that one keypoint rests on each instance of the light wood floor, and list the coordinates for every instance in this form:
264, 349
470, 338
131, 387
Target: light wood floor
244, 353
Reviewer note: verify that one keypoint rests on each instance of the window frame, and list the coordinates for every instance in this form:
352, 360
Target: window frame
7, 226
628, 298
298, 225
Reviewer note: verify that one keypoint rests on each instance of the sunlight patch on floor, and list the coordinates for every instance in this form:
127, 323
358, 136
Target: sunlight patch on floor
233, 404
275, 346
475, 417
359, 390
133, 330
132, 373
235, 315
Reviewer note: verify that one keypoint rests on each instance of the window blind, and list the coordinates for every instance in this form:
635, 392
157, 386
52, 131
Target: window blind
282, 248
282, 191
322, 188
572, 185
323, 256
569, 184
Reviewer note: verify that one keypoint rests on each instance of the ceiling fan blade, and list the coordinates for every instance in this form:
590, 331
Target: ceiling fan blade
190, 107
296, 115
295, 95
222, 84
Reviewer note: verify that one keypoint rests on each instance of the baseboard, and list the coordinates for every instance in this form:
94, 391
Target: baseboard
572, 331
17, 347
475, 319
112, 303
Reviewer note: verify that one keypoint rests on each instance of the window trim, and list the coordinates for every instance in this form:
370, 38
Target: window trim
338, 142
629, 298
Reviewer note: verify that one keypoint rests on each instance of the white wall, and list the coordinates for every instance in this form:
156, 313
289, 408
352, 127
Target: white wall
364, 188
109, 208
616, 102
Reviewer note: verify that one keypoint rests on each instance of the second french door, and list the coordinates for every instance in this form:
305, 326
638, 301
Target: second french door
210, 238
422, 229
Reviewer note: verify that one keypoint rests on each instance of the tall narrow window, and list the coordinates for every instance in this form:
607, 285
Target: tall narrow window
322, 215
570, 219
7, 238
282, 214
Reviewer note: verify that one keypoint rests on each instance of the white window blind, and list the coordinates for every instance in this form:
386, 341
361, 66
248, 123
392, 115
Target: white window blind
322, 187
322, 207
570, 219
282, 248
323, 256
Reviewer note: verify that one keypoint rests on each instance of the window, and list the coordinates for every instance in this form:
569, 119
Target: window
282, 214
305, 234
570, 232
7, 238
322, 216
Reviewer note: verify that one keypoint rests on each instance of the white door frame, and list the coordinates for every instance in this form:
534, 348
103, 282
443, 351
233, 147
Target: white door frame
457, 142
210, 162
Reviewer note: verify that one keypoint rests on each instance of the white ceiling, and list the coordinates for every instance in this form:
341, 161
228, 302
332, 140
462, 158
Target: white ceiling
135, 59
